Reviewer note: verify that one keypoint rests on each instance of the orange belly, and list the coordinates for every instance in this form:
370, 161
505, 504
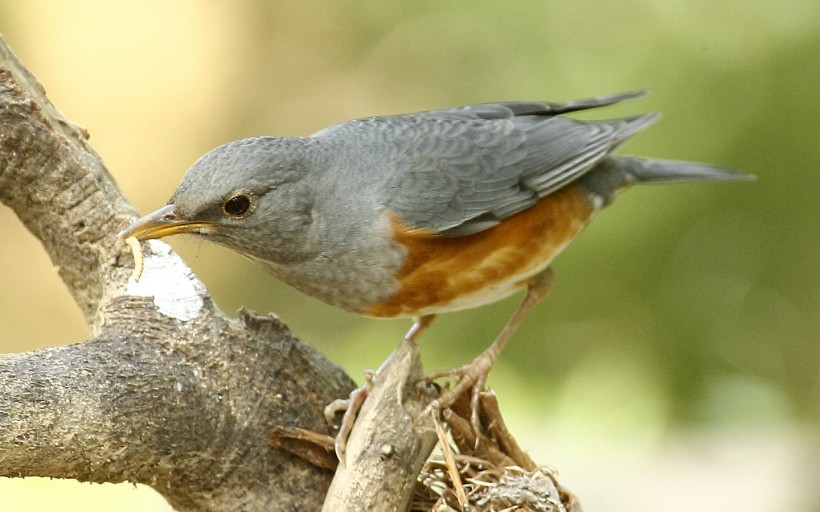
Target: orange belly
442, 274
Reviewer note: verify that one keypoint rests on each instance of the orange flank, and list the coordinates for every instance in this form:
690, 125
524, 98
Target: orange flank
444, 274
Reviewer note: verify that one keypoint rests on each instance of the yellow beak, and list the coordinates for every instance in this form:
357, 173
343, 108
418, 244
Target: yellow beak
163, 222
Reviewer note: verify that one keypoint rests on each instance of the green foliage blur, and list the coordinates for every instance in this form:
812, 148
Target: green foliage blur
681, 307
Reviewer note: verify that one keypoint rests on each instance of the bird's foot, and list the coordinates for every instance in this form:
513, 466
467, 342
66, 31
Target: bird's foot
471, 377
351, 407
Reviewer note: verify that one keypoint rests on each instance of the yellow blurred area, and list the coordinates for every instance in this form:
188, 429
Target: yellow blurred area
676, 364
42, 494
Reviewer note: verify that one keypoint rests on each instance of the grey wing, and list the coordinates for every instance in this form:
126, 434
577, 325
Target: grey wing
463, 170
461, 176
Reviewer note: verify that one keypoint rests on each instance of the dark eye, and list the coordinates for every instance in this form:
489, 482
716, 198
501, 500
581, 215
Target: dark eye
238, 205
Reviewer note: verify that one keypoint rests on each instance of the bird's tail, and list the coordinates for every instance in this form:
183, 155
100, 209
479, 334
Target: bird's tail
647, 170
618, 172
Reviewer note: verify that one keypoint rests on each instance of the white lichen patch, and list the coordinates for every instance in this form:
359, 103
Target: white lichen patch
176, 292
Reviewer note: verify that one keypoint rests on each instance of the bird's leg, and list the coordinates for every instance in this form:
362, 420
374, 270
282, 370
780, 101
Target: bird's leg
420, 324
474, 374
353, 403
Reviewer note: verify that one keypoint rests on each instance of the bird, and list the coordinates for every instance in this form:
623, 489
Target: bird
420, 214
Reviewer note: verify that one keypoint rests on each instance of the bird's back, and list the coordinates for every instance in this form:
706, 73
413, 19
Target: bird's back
481, 198
463, 170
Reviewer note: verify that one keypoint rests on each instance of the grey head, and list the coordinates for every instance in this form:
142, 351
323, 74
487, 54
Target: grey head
250, 195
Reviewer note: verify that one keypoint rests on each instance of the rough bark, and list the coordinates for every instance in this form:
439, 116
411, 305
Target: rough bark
169, 392
391, 441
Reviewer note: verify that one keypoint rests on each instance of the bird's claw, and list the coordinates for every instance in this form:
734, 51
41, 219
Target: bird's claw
471, 377
351, 406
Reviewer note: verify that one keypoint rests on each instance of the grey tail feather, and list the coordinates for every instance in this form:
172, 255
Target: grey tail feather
615, 173
648, 170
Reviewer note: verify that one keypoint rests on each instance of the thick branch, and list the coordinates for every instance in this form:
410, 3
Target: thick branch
59, 188
170, 393
193, 422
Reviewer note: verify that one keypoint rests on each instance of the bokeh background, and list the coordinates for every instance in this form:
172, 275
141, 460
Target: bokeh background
676, 364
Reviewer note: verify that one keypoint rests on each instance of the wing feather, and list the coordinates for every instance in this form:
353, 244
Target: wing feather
463, 170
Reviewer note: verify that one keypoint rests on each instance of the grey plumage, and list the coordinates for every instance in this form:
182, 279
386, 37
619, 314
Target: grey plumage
320, 207
462, 170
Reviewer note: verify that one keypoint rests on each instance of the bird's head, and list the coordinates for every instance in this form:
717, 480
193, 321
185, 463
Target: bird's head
249, 195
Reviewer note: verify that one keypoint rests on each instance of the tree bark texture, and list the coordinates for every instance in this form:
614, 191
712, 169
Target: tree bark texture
169, 391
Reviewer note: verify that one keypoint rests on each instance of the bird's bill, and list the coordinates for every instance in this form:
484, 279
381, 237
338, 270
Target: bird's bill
163, 222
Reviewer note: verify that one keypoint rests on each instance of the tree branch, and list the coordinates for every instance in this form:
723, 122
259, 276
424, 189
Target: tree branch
390, 441
170, 392
191, 421
59, 188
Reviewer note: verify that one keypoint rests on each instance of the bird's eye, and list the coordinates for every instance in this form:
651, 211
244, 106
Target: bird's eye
238, 205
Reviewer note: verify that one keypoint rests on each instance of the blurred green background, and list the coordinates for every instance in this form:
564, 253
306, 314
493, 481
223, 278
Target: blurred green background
676, 364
